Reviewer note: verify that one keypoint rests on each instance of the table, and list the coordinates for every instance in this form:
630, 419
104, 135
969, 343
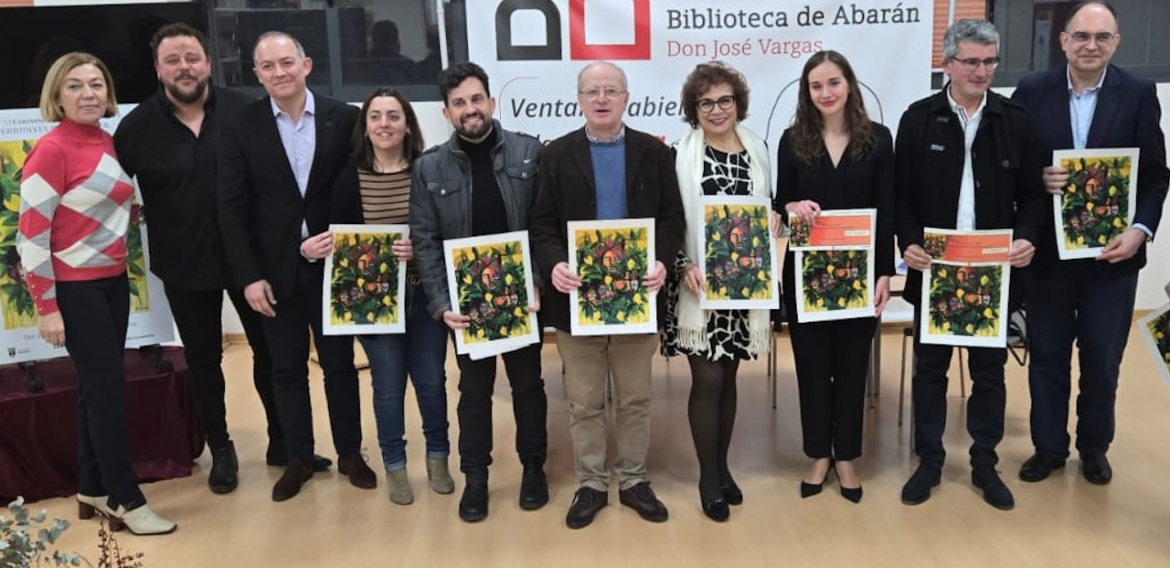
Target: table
38, 432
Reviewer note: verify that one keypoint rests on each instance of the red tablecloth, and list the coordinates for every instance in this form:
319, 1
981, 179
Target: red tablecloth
38, 432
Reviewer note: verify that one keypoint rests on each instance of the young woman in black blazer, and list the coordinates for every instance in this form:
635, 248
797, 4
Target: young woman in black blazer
834, 157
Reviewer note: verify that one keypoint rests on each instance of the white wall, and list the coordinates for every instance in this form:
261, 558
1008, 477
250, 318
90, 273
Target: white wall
1153, 278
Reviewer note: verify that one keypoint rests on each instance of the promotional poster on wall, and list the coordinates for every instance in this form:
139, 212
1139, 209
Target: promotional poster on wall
150, 313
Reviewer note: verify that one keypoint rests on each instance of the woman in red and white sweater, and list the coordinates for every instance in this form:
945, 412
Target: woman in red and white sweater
74, 213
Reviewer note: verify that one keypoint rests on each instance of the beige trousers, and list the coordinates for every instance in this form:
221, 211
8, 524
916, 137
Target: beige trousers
589, 360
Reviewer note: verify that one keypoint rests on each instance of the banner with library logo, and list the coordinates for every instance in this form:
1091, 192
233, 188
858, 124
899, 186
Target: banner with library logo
150, 314
532, 51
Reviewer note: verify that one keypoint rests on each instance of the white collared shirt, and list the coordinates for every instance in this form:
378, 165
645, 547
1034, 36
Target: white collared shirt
300, 144
965, 220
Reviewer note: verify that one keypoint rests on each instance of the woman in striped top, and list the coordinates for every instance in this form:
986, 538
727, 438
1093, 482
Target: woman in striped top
376, 189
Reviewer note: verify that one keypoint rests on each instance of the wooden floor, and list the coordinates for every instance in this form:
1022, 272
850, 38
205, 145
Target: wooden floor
1061, 522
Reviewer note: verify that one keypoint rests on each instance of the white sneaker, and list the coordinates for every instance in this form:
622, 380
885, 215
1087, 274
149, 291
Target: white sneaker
141, 521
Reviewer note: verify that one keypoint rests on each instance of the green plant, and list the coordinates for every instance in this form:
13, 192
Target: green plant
27, 539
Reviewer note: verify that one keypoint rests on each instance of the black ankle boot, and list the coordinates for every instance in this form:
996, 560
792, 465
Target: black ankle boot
224, 469
533, 488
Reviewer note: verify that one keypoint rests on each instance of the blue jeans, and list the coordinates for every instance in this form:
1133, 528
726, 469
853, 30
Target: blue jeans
421, 352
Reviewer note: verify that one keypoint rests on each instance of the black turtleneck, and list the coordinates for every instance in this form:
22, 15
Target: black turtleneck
488, 215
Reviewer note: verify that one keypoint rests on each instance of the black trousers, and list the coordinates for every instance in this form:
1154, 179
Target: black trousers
985, 406
477, 380
197, 314
832, 359
1076, 301
288, 342
96, 313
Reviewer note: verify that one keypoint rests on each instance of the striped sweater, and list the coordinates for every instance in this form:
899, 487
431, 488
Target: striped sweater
74, 211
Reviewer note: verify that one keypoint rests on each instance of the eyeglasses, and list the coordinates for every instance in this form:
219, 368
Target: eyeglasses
1084, 37
708, 105
972, 64
610, 92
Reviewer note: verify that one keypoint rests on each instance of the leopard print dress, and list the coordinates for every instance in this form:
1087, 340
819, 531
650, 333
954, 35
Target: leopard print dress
728, 331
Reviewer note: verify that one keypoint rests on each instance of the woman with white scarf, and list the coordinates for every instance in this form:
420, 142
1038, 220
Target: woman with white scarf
834, 157
716, 157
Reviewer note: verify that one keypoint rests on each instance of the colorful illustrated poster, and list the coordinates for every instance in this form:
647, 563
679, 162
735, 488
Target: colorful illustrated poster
739, 260
366, 293
16, 303
836, 229
834, 264
965, 291
490, 282
136, 260
150, 315
611, 258
1098, 203
1155, 328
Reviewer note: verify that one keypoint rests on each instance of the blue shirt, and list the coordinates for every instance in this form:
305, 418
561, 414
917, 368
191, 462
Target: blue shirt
1081, 108
300, 143
609, 171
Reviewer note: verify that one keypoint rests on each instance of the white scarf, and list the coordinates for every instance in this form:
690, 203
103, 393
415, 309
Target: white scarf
692, 320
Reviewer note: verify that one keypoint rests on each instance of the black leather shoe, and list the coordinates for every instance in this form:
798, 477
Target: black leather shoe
533, 488
277, 456
289, 484
473, 506
717, 510
732, 493
320, 463
995, 493
917, 489
360, 474
1039, 467
1096, 469
642, 499
224, 469
586, 503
